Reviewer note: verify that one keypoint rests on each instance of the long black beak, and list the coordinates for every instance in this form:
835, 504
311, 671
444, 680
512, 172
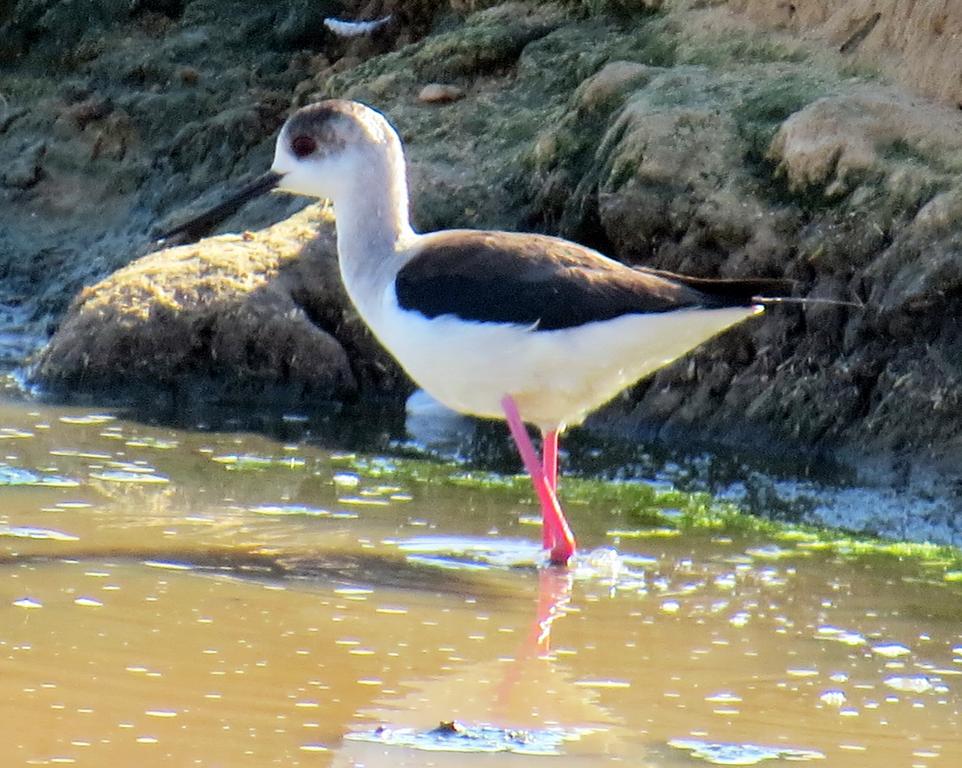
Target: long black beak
201, 224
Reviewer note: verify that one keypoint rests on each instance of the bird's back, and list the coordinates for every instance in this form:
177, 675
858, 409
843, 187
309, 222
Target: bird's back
549, 283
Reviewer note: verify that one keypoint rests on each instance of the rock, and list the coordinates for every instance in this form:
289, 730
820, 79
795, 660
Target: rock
611, 82
439, 93
660, 177
25, 170
696, 169
89, 110
259, 317
915, 44
835, 142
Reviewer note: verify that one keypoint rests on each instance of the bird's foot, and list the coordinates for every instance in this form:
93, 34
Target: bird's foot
559, 558
561, 548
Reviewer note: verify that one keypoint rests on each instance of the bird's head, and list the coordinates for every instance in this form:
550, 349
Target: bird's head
321, 149
323, 144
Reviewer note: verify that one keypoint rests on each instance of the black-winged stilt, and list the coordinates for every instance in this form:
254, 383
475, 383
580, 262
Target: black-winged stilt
524, 327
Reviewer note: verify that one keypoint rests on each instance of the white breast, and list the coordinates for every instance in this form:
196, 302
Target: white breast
556, 377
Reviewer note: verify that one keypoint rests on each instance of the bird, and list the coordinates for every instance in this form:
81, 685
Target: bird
525, 327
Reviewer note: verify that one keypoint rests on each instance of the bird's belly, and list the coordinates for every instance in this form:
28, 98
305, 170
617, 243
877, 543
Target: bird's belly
556, 377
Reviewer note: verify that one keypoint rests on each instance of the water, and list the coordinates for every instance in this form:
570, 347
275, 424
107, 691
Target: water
198, 598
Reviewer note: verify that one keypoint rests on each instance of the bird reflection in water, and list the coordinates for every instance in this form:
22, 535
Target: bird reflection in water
519, 706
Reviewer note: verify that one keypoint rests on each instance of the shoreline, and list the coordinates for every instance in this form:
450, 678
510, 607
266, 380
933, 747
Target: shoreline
717, 150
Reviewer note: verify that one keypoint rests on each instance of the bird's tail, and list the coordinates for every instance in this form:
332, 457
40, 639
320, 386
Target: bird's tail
737, 292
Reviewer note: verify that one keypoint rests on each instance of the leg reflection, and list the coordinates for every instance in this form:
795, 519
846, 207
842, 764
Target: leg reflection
554, 594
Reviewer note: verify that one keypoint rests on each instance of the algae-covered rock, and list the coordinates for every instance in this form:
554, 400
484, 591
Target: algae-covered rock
253, 317
737, 167
656, 162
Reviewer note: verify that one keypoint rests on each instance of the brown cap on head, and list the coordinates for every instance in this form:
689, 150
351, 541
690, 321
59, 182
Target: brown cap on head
333, 124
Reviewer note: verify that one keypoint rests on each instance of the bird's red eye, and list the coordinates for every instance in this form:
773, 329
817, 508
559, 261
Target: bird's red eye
302, 146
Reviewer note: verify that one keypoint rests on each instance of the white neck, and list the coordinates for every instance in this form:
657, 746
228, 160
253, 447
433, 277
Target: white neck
373, 225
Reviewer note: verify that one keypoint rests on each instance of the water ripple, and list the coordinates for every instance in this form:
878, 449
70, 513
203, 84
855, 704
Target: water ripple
18, 476
719, 753
31, 532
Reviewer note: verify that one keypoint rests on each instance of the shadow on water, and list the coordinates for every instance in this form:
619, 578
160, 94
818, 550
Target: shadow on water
369, 429
425, 429
374, 570
384, 427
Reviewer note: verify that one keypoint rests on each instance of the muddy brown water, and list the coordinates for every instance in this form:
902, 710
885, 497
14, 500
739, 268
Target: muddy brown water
195, 598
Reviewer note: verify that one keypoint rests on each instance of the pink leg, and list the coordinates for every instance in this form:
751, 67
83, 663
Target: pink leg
550, 464
556, 533
550, 442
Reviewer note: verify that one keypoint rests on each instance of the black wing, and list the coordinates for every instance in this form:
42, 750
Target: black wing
502, 277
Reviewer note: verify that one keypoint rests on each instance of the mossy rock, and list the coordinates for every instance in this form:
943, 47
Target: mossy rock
259, 317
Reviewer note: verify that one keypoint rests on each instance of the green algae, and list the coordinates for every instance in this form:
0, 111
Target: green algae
737, 48
249, 463
762, 109
653, 511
